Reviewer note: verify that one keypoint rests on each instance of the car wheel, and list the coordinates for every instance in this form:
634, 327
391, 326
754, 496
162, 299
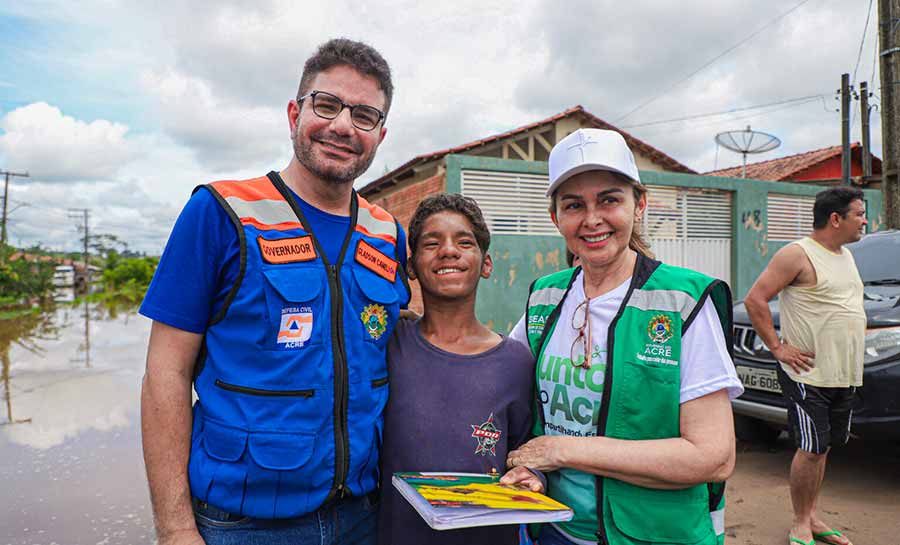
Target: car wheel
753, 430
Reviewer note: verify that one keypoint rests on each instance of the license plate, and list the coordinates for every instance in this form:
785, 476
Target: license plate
759, 379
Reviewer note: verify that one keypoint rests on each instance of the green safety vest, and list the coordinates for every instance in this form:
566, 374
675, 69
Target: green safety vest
641, 395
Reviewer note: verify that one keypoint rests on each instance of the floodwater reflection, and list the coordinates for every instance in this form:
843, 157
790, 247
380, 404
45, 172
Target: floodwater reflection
70, 440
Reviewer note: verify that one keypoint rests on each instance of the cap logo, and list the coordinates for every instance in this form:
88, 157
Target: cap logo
582, 142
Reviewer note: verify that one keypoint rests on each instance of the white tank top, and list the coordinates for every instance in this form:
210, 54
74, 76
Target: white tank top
827, 319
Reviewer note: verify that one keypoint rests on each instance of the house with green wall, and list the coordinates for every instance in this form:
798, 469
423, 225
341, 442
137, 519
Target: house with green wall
723, 226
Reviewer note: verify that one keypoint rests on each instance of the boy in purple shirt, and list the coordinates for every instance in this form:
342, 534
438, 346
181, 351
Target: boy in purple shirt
460, 394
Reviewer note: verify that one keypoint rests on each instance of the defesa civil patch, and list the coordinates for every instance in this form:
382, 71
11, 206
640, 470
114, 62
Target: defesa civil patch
296, 326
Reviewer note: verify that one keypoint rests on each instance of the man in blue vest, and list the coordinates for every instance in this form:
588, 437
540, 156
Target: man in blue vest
275, 298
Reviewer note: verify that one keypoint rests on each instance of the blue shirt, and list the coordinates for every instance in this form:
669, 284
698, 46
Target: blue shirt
201, 261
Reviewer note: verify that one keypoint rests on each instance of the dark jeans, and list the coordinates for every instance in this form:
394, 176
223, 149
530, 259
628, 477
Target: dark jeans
345, 522
551, 536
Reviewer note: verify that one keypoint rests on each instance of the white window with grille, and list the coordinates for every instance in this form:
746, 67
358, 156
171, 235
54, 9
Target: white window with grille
790, 217
691, 228
512, 203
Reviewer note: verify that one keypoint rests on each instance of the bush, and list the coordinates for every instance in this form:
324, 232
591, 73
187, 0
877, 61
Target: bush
132, 273
20, 279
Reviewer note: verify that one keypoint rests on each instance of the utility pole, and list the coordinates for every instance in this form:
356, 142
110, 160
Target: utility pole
845, 129
77, 213
866, 137
5, 203
889, 37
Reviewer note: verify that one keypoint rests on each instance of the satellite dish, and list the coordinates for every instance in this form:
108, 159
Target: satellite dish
747, 141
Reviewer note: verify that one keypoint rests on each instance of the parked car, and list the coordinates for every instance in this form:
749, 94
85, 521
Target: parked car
760, 413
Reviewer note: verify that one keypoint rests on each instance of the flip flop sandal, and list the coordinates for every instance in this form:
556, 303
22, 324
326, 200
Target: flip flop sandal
820, 536
801, 542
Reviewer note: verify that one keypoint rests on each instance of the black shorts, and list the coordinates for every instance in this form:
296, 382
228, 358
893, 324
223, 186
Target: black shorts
818, 417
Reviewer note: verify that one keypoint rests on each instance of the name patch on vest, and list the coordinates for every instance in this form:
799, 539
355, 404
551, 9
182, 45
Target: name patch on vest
369, 257
287, 250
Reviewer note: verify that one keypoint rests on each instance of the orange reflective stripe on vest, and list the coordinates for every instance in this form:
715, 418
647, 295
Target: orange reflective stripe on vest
374, 221
257, 202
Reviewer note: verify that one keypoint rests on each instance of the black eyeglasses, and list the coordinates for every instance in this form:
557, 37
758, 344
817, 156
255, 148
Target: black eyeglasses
328, 106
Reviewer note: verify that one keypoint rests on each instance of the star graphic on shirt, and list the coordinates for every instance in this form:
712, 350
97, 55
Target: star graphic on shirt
487, 436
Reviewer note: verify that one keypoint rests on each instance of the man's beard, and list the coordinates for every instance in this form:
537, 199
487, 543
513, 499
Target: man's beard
303, 150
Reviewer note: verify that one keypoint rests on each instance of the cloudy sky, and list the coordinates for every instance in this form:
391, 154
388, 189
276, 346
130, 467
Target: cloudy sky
123, 107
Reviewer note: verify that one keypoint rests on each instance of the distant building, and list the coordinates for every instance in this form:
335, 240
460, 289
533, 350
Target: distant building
33, 258
820, 166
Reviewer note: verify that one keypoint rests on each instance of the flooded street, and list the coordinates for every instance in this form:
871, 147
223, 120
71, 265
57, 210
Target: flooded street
71, 469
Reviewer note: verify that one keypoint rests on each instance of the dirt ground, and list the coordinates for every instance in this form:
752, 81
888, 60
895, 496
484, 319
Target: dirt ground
860, 495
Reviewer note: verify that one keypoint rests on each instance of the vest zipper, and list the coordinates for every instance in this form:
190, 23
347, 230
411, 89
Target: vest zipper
262, 392
341, 443
607, 392
379, 382
604, 414
341, 386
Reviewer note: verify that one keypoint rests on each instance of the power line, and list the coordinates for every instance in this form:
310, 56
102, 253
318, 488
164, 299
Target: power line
61, 217
714, 122
874, 62
713, 60
862, 42
801, 100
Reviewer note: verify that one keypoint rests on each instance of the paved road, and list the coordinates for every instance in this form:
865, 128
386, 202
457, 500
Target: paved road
860, 496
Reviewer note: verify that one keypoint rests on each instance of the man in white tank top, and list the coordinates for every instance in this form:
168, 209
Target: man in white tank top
823, 327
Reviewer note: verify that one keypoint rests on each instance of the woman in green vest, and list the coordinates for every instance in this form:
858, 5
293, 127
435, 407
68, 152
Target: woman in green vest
634, 373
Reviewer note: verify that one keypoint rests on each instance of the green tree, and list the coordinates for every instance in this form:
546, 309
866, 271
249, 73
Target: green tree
22, 279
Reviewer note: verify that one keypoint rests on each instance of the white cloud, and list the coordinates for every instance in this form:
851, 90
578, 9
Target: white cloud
211, 79
122, 208
52, 146
224, 136
644, 52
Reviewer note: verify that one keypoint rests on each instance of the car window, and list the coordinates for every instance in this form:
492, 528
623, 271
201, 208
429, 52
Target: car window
877, 256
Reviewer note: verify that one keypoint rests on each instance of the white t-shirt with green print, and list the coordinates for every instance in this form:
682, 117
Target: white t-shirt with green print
572, 394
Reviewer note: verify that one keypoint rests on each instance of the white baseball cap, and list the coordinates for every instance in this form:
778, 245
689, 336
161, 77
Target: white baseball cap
590, 149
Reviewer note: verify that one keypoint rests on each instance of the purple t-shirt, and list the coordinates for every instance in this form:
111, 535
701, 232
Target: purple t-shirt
437, 402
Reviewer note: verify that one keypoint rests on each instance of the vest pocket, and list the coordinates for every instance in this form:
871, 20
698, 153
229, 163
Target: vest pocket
661, 521
262, 474
295, 308
378, 306
263, 392
281, 451
223, 443
651, 409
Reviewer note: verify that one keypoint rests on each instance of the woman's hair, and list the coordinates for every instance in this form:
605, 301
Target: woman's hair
636, 242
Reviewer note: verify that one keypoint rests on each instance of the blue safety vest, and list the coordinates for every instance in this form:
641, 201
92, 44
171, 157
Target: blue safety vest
292, 379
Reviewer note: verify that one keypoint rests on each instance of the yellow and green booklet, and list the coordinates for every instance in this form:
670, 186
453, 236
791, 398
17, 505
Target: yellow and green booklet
462, 500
